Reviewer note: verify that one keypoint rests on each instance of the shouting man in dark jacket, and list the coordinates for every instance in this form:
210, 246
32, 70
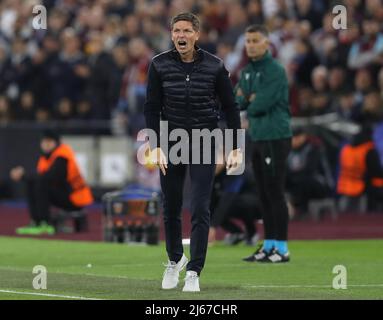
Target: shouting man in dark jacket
183, 86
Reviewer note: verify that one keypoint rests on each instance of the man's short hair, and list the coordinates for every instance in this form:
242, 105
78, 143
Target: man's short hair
50, 134
258, 28
186, 16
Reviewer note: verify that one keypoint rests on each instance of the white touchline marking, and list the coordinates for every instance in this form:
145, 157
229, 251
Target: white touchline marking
47, 295
312, 286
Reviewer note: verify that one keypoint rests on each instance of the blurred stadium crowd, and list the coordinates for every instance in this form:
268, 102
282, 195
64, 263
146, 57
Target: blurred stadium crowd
91, 62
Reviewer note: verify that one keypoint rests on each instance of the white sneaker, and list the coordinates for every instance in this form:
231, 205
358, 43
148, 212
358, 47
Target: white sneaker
191, 282
172, 272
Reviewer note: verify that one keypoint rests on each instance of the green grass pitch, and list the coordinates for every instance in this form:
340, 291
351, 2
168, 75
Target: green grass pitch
116, 271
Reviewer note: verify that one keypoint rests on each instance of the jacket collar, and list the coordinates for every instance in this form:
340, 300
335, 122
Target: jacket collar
266, 57
198, 57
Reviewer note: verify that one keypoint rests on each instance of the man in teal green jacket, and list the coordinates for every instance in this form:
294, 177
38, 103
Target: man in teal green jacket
263, 91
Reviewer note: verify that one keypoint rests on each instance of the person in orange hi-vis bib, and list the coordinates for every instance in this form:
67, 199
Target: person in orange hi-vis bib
57, 182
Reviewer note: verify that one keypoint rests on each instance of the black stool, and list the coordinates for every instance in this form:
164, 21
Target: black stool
78, 217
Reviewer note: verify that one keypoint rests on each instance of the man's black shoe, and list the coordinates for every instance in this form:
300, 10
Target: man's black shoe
259, 255
276, 257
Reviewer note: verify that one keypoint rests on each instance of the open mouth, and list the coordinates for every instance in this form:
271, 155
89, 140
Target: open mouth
182, 44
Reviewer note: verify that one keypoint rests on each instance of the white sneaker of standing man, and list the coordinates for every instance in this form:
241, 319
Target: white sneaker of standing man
172, 273
191, 282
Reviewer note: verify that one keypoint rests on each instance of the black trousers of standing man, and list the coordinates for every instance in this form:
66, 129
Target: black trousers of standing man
201, 176
269, 162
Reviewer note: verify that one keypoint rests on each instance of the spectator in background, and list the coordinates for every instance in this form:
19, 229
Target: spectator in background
308, 172
325, 34
58, 70
320, 102
47, 86
64, 110
355, 10
369, 49
237, 21
25, 109
372, 109
156, 35
304, 98
17, 72
363, 84
226, 52
337, 85
304, 62
43, 115
346, 107
336, 81
83, 109
346, 38
57, 21
130, 28
206, 42
304, 30
100, 77
374, 9
306, 10
68, 78
112, 32
120, 118
255, 12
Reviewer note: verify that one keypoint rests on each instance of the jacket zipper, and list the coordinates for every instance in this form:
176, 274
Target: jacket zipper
188, 105
187, 85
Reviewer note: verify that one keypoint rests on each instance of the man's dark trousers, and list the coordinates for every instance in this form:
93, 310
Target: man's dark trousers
269, 163
201, 176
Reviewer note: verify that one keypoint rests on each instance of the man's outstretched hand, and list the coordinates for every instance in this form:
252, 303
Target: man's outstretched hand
234, 160
158, 158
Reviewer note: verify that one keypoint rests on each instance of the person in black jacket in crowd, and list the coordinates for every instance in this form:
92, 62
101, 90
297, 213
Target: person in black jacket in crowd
183, 86
233, 198
308, 174
101, 78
